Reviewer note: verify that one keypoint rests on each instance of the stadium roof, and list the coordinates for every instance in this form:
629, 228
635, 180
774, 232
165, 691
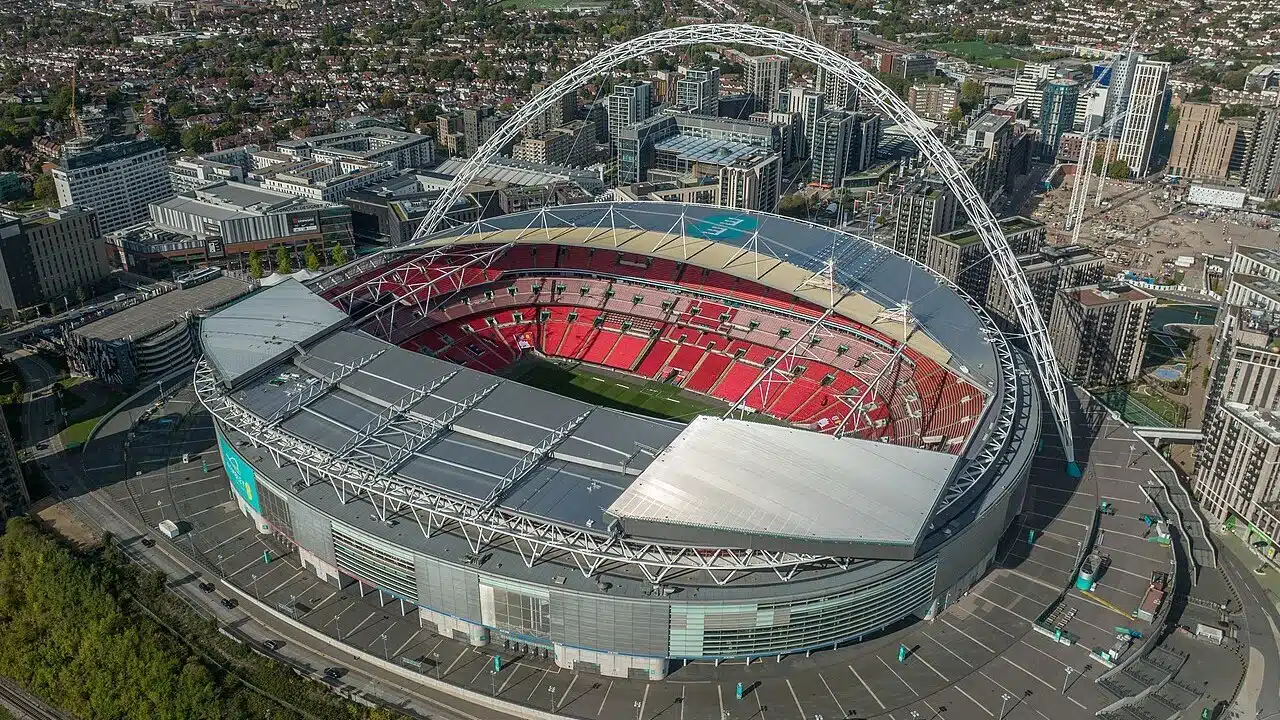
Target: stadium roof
751, 245
766, 481
149, 317
265, 327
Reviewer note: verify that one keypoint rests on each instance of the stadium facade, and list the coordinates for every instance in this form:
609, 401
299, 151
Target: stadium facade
874, 447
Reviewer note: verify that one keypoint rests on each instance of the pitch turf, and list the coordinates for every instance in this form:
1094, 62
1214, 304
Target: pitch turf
650, 398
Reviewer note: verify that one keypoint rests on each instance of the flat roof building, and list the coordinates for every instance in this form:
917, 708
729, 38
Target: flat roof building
1099, 333
402, 150
151, 338
118, 180
50, 256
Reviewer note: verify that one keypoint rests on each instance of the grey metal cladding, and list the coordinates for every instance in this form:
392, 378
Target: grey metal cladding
964, 551
623, 626
311, 529
448, 589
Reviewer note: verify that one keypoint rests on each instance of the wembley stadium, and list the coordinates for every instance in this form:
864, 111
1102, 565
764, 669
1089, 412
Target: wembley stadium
628, 435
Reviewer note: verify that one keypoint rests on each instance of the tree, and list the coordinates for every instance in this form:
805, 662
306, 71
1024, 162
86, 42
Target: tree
795, 205
955, 116
339, 255
284, 263
45, 188
310, 258
16, 388
1118, 170
255, 264
181, 109
971, 94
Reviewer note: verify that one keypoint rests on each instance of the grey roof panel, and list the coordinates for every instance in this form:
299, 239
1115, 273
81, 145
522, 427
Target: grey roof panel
265, 327
784, 482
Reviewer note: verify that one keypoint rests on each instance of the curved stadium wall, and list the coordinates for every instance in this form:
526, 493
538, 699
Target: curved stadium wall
614, 619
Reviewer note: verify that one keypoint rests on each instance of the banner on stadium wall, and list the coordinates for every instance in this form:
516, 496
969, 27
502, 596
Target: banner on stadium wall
241, 473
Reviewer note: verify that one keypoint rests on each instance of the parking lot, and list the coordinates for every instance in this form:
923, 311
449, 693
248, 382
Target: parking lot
967, 661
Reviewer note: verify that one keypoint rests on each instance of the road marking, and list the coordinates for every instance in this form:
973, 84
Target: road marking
643, 701
920, 657
944, 647
487, 666
455, 660
233, 537
359, 625
407, 642
555, 706
1042, 681
320, 604
605, 699
997, 627
793, 697
759, 702
275, 589
1013, 694
720, 695
895, 674
975, 702
962, 632
834, 699
864, 684
682, 688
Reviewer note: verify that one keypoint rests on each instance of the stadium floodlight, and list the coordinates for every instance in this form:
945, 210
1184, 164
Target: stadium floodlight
1036, 333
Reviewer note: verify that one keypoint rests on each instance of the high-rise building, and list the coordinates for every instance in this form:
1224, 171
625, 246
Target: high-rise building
752, 182
678, 144
920, 209
994, 133
117, 180
1236, 462
1148, 92
1048, 270
1119, 84
549, 148
1057, 113
1099, 332
843, 143
809, 105
699, 91
50, 256
1261, 171
838, 94
1029, 85
764, 76
1203, 143
629, 103
14, 497
911, 65
564, 110
471, 120
961, 257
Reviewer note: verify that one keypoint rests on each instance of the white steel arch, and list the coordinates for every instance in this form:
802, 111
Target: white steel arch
1004, 261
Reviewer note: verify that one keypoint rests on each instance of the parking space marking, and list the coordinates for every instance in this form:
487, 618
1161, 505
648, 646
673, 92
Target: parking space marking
944, 647
759, 702
1002, 607
864, 685
291, 578
1012, 694
918, 656
834, 699
233, 537
605, 699
644, 700
320, 604
794, 697
1041, 680
975, 702
895, 674
409, 641
962, 632
448, 670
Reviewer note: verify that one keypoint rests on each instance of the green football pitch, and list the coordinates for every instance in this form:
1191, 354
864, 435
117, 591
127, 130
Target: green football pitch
610, 390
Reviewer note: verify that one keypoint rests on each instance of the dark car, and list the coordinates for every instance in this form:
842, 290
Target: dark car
229, 603
272, 645
334, 673
207, 587
148, 543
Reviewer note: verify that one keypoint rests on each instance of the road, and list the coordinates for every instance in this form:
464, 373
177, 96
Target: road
300, 649
1261, 621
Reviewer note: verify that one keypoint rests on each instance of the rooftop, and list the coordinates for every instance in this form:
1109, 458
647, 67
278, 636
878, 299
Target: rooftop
706, 150
1264, 422
1266, 256
1099, 295
160, 312
1009, 226
722, 476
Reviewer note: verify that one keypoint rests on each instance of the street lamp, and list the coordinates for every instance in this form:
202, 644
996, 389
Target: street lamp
554, 705
493, 683
255, 584
638, 706
385, 655
221, 571
1067, 679
437, 659
1004, 700
337, 625
1132, 448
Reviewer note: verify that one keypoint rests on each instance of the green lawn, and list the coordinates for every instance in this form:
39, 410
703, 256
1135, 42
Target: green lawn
983, 53
651, 398
79, 432
1141, 409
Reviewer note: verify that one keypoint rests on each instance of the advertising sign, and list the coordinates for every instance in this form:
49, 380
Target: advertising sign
241, 473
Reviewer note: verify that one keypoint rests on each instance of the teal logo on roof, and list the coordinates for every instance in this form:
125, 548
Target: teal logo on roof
723, 226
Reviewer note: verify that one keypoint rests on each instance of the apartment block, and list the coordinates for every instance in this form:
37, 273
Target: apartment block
49, 256
1203, 143
1099, 332
117, 180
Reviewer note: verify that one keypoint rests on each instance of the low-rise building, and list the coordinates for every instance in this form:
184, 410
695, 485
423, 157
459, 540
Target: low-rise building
151, 338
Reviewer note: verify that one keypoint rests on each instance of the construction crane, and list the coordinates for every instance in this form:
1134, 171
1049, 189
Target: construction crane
1089, 148
808, 20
